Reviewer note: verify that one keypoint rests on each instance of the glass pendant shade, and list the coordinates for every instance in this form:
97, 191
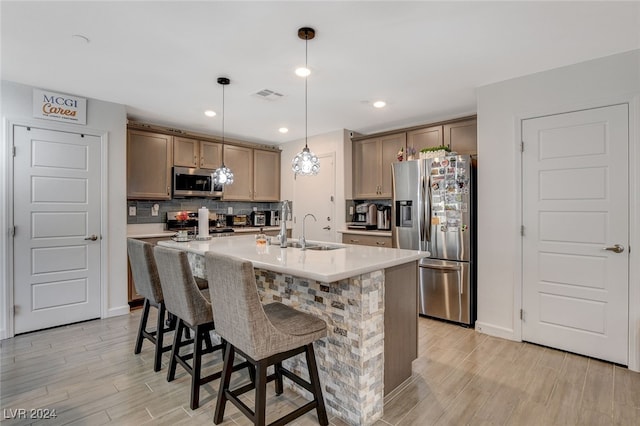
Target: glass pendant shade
223, 175
305, 163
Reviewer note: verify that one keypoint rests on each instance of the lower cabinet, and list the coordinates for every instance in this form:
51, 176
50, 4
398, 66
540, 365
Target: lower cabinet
367, 240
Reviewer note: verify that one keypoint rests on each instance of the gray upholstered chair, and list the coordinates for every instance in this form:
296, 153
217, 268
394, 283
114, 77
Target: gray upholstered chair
264, 336
147, 284
184, 299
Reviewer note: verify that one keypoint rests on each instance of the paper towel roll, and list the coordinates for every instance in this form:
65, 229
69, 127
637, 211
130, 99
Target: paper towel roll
203, 222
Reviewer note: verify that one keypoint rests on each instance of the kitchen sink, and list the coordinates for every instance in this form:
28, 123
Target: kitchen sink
313, 246
323, 247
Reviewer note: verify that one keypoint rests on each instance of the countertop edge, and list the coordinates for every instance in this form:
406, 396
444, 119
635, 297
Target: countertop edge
411, 256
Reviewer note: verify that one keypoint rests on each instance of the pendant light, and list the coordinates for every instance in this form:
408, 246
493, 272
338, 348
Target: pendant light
223, 175
305, 163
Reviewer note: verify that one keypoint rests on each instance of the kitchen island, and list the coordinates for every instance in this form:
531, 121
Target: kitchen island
367, 296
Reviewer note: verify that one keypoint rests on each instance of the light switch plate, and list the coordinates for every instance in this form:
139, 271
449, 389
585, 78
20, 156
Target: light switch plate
132, 210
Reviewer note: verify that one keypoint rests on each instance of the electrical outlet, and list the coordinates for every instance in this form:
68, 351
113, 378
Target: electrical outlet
132, 210
351, 210
155, 209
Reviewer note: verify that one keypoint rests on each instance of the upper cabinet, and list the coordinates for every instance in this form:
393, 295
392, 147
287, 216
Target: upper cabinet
151, 154
256, 174
210, 155
149, 161
462, 136
459, 136
195, 153
427, 137
266, 175
240, 160
372, 160
373, 155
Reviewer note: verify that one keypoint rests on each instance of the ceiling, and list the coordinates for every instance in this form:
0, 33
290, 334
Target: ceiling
425, 59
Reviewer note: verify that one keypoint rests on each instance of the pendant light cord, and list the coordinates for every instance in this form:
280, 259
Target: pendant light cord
306, 96
223, 115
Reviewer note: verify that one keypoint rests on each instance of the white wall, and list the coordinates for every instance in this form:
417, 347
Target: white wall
338, 142
102, 118
501, 106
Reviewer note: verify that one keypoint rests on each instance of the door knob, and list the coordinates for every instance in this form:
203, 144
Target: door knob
94, 237
328, 228
617, 248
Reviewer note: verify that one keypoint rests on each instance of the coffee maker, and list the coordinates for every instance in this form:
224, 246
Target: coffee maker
366, 217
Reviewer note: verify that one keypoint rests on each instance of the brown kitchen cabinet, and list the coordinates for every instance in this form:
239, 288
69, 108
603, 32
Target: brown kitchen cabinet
196, 153
427, 137
256, 174
462, 136
240, 160
266, 175
372, 160
367, 240
149, 162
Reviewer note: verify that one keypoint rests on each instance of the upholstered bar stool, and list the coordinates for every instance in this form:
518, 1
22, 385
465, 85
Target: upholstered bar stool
264, 336
147, 283
184, 299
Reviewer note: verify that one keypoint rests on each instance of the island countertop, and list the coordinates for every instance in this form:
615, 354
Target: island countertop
321, 265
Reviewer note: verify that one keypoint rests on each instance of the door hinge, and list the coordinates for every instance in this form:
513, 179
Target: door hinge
12, 231
522, 314
13, 149
522, 230
521, 146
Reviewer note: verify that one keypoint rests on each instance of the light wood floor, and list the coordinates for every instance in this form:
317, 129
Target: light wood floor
87, 372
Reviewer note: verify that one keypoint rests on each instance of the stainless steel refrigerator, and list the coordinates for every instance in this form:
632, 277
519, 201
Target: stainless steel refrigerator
434, 210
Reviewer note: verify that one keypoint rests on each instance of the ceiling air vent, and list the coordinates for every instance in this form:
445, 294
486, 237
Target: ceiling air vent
268, 95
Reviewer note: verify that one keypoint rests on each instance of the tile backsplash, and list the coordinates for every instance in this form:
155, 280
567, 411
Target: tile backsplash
144, 208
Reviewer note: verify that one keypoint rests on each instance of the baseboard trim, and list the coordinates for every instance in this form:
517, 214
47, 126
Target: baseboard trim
117, 311
496, 331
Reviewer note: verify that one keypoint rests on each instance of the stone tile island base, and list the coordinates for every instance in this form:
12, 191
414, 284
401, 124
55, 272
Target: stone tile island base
351, 359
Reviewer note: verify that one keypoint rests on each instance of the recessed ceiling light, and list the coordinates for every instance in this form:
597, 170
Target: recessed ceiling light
210, 113
283, 130
303, 72
379, 104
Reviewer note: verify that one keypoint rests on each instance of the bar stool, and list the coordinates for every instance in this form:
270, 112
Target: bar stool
264, 336
147, 283
184, 300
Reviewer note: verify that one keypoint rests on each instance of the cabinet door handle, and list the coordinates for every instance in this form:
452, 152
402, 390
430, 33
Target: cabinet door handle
354, 241
168, 190
380, 243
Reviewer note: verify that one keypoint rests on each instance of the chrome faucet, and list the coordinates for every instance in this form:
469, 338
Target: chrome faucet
302, 240
284, 212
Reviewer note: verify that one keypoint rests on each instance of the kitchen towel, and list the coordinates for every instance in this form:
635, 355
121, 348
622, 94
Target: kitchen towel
203, 223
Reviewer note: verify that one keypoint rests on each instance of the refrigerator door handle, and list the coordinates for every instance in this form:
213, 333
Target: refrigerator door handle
441, 267
422, 225
426, 187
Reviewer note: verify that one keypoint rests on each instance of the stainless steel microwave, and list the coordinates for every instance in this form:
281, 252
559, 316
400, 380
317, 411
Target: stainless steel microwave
190, 182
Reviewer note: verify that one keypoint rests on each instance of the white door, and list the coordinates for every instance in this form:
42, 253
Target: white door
575, 211
316, 195
56, 212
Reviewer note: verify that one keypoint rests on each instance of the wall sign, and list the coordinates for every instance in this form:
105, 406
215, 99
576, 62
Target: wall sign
59, 107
